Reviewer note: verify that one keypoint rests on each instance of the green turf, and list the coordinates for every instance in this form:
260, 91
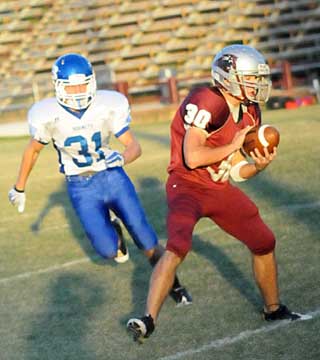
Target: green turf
59, 301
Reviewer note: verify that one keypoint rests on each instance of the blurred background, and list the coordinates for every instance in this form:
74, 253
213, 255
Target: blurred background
154, 51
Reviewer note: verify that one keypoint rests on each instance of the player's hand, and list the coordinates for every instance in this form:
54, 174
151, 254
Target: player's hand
17, 198
239, 137
261, 161
115, 159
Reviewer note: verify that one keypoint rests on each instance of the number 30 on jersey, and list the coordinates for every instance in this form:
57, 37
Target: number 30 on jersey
197, 117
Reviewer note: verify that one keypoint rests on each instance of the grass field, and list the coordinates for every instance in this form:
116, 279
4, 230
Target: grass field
59, 301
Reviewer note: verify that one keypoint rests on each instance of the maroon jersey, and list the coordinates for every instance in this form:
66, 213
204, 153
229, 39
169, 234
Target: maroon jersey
207, 109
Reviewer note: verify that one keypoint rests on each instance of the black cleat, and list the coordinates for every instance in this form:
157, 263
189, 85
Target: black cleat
141, 328
181, 296
283, 313
123, 253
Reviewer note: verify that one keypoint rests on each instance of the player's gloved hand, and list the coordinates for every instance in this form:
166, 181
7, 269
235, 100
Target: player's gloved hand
115, 159
17, 198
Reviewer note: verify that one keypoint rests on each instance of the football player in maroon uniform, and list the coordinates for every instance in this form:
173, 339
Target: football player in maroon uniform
207, 134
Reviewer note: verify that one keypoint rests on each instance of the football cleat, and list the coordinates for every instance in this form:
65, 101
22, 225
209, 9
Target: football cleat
181, 296
283, 313
123, 253
141, 328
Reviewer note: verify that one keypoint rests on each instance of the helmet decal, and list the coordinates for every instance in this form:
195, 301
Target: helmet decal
227, 62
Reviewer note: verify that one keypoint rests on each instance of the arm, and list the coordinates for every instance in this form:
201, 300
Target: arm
197, 153
261, 161
29, 158
242, 170
16, 194
132, 147
131, 152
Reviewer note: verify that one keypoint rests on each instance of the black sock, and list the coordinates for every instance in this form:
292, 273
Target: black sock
154, 259
176, 283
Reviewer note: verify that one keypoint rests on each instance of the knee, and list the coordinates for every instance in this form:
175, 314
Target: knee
266, 246
180, 249
170, 260
154, 254
106, 251
180, 238
144, 237
106, 254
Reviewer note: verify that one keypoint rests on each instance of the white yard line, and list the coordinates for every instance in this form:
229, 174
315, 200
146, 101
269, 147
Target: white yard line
58, 267
86, 259
215, 344
44, 271
219, 343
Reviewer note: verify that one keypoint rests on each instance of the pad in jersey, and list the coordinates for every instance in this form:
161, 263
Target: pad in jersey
206, 109
81, 142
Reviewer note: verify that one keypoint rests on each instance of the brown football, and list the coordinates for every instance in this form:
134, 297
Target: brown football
261, 137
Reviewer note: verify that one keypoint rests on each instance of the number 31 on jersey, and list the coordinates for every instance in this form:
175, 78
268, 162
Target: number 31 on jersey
197, 117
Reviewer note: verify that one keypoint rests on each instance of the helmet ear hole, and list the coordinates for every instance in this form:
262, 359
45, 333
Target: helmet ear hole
69, 70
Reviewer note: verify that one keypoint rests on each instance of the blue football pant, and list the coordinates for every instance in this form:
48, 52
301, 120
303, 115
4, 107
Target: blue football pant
93, 196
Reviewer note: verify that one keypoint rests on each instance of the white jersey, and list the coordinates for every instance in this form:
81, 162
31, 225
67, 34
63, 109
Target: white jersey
82, 143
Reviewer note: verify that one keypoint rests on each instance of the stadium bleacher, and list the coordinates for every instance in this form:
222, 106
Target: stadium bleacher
135, 39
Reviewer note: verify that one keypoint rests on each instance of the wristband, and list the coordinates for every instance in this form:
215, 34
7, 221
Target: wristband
235, 171
19, 191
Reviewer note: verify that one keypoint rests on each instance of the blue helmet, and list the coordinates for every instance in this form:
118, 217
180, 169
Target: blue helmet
73, 69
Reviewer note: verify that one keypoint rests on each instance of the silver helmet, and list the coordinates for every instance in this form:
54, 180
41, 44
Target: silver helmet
243, 72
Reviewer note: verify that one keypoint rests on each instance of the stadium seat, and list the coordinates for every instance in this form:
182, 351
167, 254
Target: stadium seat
139, 38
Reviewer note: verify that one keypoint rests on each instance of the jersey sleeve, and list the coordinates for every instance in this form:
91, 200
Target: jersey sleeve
204, 109
39, 128
121, 115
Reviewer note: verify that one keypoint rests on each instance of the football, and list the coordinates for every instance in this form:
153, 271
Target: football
261, 137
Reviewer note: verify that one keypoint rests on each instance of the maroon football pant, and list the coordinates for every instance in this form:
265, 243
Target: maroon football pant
226, 205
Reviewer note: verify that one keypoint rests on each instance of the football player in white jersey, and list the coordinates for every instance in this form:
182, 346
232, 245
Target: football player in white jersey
80, 121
